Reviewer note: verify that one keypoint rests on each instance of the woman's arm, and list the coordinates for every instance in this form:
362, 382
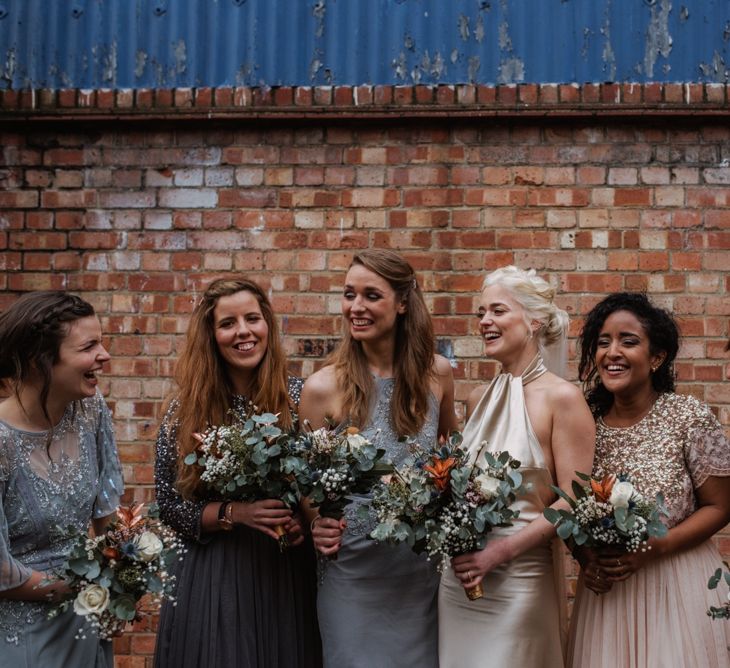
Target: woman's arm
573, 443
316, 407
712, 514
445, 379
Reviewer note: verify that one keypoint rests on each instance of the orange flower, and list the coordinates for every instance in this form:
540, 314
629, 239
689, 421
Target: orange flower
439, 471
129, 516
351, 431
602, 489
111, 553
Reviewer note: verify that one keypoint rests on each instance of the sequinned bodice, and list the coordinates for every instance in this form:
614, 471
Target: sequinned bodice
379, 429
672, 450
49, 482
181, 514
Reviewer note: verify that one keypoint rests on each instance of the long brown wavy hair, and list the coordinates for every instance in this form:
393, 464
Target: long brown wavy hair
413, 353
205, 391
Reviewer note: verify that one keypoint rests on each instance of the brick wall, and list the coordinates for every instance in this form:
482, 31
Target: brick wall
138, 214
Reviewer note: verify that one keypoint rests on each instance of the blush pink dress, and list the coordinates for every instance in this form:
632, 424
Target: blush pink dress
657, 618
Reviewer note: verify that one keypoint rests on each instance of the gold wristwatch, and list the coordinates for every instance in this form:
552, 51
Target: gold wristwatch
225, 521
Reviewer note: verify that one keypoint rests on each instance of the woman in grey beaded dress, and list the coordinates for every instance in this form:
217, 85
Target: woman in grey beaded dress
377, 603
58, 468
651, 606
240, 601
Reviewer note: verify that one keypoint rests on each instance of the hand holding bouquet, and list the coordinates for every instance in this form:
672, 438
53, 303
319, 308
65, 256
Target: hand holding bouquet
609, 513
724, 611
111, 575
440, 504
336, 465
245, 461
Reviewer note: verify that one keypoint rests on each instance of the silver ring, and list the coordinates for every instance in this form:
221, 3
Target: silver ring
468, 575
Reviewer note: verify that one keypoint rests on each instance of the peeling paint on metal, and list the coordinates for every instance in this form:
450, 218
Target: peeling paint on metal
609, 57
400, 66
463, 27
474, 65
181, 56
318, 11
479, 29
140, 63
658, 39
158, 43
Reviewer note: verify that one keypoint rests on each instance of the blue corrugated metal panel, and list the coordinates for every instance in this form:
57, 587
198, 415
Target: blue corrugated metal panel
173, 43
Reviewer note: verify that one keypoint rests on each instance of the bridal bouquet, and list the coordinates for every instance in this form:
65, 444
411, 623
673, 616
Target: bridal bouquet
116, 575
248, 460
724, 611
336, 465
608, 513
439, 503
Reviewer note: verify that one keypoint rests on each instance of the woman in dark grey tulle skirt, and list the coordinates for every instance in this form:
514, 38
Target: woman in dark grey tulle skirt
240, 602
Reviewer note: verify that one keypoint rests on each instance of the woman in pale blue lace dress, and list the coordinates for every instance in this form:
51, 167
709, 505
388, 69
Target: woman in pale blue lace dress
58, 468
377, 603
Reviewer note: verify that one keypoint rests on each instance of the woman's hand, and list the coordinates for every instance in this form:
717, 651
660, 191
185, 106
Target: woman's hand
294, 531
594, 578
471, 568
327, 534
619, 566
262, 515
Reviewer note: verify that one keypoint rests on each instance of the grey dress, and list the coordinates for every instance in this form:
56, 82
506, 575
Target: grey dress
40, 497
377, 603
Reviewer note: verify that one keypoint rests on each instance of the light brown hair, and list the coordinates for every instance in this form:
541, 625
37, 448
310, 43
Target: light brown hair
205, 391
413, 353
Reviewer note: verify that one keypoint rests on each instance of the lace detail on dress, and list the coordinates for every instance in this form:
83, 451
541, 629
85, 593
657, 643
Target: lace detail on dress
42, 496
672, 450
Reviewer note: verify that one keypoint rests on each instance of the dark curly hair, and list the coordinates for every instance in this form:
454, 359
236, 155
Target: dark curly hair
660, 327
31, 332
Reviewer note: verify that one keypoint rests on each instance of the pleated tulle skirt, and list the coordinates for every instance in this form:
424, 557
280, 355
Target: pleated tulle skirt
655, 619
242, 603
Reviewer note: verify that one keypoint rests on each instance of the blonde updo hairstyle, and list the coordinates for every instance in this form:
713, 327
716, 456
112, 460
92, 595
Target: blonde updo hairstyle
536, 296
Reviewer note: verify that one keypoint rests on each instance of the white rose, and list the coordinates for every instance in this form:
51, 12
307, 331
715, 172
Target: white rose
93, 599
148, 545
355, 441
621, 494
489, 485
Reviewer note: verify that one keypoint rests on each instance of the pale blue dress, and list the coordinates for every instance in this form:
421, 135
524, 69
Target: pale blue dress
40, 498
377, 603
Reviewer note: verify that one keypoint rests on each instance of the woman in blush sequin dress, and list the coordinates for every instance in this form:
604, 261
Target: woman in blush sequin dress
648, 609
240, 601
377, 602
58, 469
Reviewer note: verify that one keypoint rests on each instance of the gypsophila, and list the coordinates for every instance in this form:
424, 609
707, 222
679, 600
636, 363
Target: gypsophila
336, 464
608, 513
440, 504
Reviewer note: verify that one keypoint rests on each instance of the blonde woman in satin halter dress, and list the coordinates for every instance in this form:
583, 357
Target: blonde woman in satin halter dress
544, 422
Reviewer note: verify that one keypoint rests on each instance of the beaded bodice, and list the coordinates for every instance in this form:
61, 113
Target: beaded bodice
379, 430
181, 514
672, 450
48, 483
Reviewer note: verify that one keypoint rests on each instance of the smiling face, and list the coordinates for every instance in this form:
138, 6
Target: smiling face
623, 355
241, 333
503, 325
369, 304
81, 356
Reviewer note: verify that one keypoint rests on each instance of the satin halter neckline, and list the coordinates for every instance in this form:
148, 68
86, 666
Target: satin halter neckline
533, 370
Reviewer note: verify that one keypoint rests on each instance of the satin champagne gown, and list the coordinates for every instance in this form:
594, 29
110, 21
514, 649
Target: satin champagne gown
518, 622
